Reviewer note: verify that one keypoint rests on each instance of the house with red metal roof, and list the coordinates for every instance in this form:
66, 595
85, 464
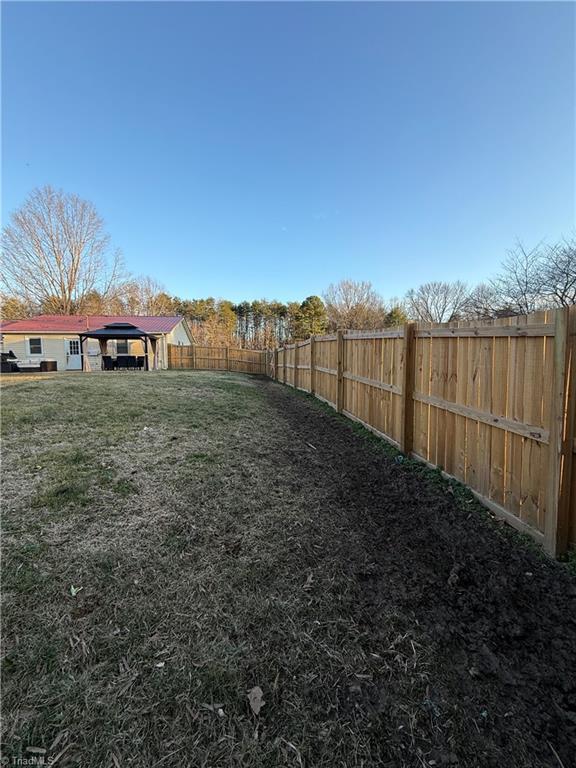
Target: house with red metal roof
67, 340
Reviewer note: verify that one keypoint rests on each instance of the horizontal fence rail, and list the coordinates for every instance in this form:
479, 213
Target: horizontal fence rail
490, 403
204, 358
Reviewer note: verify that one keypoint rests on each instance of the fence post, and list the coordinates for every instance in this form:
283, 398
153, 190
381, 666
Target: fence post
284, 365
181, 356
567, 504
227, 358
275, 376
407, 407
295, 377
560, 458
339, 370
312, 365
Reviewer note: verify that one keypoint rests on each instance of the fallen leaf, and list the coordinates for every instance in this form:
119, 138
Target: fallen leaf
473, 672
255, 697
74, 590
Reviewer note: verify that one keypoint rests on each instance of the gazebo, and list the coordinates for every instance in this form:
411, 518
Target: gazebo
118, 331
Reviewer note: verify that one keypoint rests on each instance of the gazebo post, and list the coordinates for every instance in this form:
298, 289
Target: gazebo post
85, 365
84, 350
154, 347
147, 367
103, 351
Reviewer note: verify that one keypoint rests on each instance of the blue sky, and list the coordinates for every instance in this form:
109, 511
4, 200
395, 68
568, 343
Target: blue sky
251, 150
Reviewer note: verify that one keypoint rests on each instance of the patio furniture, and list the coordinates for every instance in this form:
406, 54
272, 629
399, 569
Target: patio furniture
140, 362
122, 361
108, 363
9, 363
48, 366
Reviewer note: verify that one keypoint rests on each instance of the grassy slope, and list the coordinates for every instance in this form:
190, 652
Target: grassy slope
171, 501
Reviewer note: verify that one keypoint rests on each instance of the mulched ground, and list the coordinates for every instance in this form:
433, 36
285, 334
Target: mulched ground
497, 621
387, 618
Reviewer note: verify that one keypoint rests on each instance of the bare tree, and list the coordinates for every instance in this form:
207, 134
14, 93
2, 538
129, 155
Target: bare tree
438, 302
484, 302
520, 284
356, 305
12, 308
559, 273
142, 295
55, 251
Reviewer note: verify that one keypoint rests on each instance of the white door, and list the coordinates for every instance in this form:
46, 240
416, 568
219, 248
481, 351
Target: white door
73, 356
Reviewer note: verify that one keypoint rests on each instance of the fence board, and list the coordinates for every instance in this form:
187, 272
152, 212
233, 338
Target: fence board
304, 367
498, 437
326, 374
532, 413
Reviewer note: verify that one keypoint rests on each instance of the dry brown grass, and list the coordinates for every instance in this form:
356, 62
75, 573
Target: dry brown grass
206, 566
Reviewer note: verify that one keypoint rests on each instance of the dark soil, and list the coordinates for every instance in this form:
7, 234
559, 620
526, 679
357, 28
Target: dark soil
497, 619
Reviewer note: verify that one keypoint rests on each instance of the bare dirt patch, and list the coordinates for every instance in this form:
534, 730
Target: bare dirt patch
175, 539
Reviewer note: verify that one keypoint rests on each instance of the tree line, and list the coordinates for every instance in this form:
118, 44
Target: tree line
57, 259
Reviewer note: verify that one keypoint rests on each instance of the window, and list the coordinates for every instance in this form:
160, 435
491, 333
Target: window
74, 347
35, 346
122, 347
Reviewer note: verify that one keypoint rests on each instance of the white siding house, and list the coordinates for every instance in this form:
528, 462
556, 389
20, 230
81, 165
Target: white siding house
56, 337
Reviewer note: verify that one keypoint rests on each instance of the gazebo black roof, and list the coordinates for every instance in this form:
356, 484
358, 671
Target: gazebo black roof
118, 331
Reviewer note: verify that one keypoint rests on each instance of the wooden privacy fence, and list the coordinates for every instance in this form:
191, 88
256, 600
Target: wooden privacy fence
491, 403
218, 359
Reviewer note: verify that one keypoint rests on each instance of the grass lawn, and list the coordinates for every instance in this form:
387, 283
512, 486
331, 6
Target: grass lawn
172, 540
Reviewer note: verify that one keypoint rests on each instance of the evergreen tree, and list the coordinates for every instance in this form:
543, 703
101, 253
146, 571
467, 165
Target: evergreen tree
312, 318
